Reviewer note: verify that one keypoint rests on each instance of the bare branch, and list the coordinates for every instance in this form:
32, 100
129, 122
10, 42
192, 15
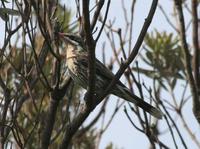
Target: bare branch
104, 21
195, 40
196, 102
90, 45
97, 13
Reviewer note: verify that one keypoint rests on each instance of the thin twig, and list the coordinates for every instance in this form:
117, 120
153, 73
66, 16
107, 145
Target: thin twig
96, 14
104, 21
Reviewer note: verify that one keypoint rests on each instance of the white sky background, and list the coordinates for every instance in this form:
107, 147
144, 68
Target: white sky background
121, 132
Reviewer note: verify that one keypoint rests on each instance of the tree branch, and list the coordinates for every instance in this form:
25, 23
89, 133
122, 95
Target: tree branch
90, 45
104, 21
96, 14
56, 96
193, 87
195, 43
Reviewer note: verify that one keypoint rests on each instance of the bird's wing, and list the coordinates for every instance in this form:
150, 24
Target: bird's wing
101, 70
106, 73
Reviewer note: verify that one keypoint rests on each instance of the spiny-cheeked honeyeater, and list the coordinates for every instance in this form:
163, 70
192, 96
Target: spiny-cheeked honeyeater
77, 63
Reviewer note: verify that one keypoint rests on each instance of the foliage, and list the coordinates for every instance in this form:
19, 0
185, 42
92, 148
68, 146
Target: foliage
164, 55
4, 12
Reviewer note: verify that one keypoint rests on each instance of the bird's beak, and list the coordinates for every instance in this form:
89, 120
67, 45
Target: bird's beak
64, 36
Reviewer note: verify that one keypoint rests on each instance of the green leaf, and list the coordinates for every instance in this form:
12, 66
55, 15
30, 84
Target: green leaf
9, 11
4, 17
4, 12
164, 54
149, 73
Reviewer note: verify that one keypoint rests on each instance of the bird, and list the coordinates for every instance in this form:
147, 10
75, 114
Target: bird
77, 63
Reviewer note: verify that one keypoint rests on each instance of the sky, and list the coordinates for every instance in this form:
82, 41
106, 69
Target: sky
120, 132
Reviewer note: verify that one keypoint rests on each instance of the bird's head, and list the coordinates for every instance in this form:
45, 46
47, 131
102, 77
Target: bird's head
72, 39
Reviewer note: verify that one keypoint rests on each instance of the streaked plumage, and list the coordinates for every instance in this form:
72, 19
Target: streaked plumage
77, 62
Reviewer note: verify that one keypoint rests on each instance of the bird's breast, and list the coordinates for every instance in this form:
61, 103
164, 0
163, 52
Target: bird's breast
71, 52
71, 64
71, 58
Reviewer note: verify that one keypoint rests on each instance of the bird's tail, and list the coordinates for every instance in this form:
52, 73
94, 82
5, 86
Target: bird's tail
124, 93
